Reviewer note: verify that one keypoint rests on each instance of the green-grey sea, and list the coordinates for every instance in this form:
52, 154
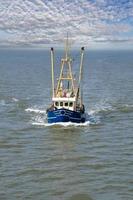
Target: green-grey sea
91, 161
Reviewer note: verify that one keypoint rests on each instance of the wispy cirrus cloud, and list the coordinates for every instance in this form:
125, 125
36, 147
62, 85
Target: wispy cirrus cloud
48, 21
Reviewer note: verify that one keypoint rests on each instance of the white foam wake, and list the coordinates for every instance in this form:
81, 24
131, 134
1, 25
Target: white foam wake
64, 124
35, 110
93, 116
100, 108
15, 99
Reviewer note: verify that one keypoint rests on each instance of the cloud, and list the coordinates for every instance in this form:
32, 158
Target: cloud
48, 21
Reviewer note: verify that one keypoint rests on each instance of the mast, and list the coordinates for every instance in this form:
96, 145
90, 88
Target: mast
52, 71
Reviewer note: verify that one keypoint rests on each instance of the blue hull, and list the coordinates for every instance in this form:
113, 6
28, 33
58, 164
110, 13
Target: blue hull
65, 115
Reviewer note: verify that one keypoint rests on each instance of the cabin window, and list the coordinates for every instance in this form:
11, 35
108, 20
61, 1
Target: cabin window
56, 103
66, 104
70, 104
61, 103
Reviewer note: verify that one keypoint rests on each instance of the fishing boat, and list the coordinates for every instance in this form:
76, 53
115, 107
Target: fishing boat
67, 95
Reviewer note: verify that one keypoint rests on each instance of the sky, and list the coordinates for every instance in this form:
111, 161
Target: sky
92, 23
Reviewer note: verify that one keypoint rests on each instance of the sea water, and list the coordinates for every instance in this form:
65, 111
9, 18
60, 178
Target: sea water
66, 161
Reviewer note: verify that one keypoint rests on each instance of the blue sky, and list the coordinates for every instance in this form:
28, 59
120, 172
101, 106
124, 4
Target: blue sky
93, 23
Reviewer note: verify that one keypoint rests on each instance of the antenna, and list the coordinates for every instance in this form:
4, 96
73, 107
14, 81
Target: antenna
66, 47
